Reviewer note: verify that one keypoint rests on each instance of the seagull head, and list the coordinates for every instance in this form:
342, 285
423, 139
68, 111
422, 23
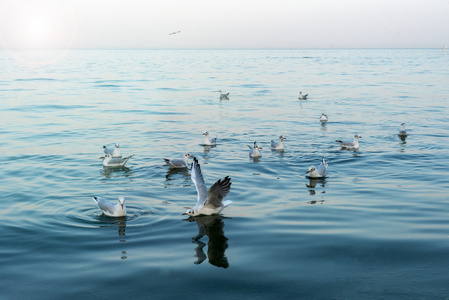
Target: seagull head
121, 199
107, 156
281, 137
117, 145
357, 136
190, 212
311, 169
206, 133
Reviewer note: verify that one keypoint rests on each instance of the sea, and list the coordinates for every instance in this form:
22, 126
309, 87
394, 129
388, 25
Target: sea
376, 227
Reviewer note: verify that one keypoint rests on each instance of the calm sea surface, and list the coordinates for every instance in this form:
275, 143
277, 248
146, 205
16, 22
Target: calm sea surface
376, 228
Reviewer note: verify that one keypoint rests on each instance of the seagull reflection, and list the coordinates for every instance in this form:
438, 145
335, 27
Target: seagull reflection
312, 185
174, 174
208, 147
212, 226
403, 138
120, 222
120, 172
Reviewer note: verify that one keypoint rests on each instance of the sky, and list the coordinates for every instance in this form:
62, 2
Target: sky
223, 24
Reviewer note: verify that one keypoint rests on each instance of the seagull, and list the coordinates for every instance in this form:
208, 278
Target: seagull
178, 163
323, 118
114, 153
319, 172
302, 97
175, 32
402, 132
109, 161
350, 145
109, 209
279, 145
223, 96
255, 151
209, 141
209, 202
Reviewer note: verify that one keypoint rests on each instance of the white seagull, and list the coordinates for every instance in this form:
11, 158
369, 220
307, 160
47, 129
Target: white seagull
402, 132
319, 172
109, 161
114, 153
209, 141
178, 163
109, 209
350, 145
255, 151
323, 118
209, 202
278, 145
302, 97
222, 95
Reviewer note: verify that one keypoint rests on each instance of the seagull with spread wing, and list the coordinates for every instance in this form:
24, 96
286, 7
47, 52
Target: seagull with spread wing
209, 202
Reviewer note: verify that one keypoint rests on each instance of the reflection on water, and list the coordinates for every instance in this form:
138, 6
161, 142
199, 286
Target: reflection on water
403, 138
207, 148
323, 127
174, 175
212, 226
120, 222
119, 172
312, 185
255, 159
279, 153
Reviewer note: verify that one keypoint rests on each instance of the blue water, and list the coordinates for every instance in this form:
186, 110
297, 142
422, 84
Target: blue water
376, 228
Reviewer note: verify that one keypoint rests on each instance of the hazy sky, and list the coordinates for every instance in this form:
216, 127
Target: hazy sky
146, 24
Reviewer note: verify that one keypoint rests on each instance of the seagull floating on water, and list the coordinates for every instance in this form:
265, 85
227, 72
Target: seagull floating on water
114, 162
402, 132
350, 145
109, 209
222, 95
302, 97
319, 172
209, 202
255, 151
178, 163
323, 118
209, 141
278, 145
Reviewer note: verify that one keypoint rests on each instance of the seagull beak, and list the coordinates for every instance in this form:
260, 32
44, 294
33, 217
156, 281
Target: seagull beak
121, 205
184, 214
307, 171
102, 157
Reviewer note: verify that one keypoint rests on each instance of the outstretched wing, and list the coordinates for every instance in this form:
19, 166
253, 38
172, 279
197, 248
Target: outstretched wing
198, 180
217, 192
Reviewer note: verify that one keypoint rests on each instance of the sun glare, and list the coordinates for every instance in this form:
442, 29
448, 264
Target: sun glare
26, 24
